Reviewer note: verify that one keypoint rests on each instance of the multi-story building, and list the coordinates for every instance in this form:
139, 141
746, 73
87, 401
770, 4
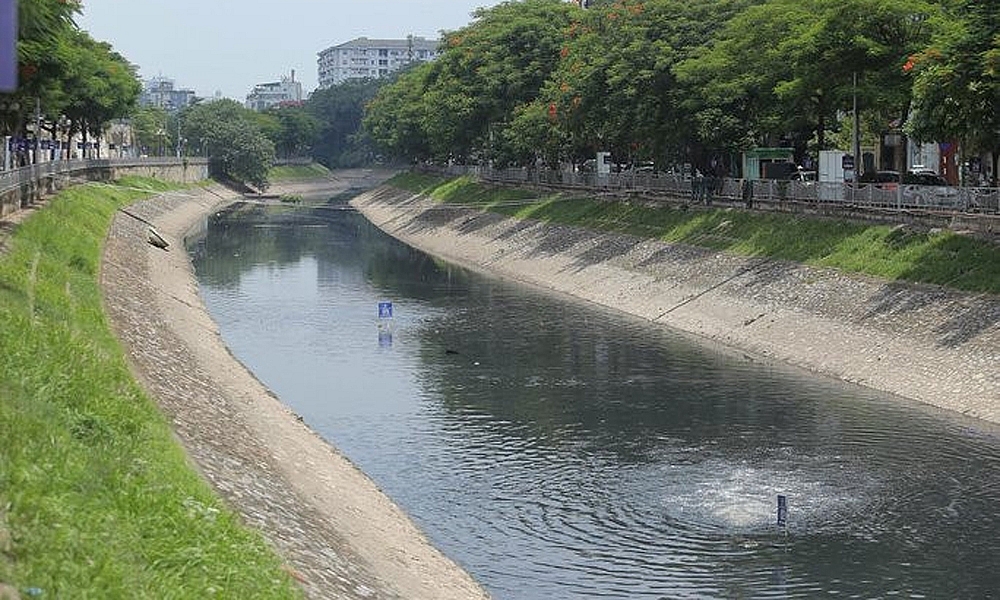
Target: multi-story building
160, 92
275, 93
362, 57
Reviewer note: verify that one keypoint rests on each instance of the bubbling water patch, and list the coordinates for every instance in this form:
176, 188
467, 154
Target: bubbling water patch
720, 495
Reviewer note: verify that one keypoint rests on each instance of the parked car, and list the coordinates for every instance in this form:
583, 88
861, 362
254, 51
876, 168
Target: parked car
802, 175
920, 188
927, 188
883, 180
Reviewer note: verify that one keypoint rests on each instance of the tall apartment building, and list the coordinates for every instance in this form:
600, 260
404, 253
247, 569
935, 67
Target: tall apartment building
363, 57
283, 92
160, 92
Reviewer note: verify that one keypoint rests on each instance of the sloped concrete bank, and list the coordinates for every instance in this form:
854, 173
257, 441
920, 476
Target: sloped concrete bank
926, 343
340, 535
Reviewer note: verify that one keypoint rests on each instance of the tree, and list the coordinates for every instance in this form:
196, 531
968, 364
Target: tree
241, 152
65, 72
615, 87
455, 107
98, 84
149, 127
957, 83
42, 27
231, 135
337, 112
297, 131
786, 67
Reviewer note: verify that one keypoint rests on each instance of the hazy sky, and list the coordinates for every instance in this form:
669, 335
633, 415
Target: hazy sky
231, 45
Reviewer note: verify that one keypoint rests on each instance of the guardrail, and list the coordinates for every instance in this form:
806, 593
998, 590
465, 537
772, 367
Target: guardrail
16, 178
881, 197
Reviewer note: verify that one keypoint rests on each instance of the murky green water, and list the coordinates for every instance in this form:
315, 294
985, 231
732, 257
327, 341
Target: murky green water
558, 450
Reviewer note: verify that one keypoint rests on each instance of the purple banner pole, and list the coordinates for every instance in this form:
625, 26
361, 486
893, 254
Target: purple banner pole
8, 45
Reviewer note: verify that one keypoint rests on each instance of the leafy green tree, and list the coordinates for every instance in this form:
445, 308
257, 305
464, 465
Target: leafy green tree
232, 138
785, 68
615, 88
149, 127
337, 113
461, 103
241, 152
99, 84
297, 131
957, 85
65, 72
42, 27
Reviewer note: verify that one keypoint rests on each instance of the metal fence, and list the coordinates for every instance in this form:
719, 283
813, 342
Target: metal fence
944, 199
16, 178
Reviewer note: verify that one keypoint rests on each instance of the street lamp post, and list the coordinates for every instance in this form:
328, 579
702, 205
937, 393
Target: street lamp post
856, 145
178, 135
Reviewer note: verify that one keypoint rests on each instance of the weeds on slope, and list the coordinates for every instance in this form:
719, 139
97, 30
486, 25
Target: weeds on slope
894, 253
97, 500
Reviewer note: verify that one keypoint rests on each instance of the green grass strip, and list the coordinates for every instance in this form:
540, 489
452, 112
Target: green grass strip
295, 172
940, 257
97, 500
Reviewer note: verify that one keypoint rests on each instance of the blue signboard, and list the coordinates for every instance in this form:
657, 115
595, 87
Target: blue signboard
782, 510
385, 310
8, 45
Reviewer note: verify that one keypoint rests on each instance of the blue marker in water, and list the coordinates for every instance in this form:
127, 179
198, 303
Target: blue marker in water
385, 310
782, 510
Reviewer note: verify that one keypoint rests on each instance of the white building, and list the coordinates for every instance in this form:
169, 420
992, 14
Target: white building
160, 92
362, 57
265, 95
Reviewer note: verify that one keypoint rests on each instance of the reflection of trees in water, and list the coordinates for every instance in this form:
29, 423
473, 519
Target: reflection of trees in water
245, 237
555, 371
565, 374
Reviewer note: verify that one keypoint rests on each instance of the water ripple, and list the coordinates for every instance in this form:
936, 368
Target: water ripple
561, 451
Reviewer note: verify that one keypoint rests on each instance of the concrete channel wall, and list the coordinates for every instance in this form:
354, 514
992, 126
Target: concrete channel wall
20, 188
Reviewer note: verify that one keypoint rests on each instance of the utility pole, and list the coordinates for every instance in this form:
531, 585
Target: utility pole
38, 128
856, 149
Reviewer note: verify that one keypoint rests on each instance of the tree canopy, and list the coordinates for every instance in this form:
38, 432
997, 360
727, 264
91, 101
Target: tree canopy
233, 139
957, 81
681, 80
65, 73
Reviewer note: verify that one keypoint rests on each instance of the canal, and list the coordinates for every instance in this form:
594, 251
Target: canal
556, 449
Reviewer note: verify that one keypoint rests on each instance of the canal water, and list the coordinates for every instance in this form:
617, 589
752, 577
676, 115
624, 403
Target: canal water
559, 450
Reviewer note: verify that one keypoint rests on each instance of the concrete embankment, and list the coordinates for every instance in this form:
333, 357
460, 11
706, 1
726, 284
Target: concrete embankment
340, 535
927, 343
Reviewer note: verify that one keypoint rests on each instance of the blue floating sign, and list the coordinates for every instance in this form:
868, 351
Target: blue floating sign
8, 45
782, 510
385, 310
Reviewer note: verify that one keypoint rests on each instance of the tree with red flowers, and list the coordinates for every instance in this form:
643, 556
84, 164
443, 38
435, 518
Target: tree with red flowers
956, 91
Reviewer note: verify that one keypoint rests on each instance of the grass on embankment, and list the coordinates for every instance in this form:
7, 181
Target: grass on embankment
97, 500
903, 254
293, 172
